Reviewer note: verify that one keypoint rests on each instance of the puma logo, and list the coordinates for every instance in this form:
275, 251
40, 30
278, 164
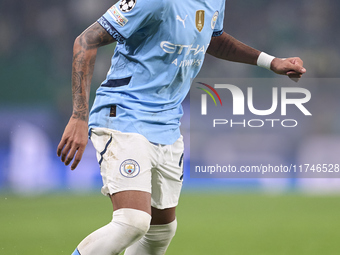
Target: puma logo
182, 20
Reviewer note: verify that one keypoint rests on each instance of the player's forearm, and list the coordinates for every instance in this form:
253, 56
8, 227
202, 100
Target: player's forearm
227, 47
84, 57
82, 70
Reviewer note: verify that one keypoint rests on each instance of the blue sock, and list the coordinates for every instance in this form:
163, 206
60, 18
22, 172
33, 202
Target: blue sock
76, 252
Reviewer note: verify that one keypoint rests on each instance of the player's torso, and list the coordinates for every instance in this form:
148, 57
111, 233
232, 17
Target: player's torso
158, 60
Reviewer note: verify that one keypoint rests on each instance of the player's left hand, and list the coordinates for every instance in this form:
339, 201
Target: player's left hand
292, 67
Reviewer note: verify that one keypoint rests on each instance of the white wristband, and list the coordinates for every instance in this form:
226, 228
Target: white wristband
264, 60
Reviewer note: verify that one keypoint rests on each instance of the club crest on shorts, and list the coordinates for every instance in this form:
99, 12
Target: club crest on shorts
127, 5
129, 168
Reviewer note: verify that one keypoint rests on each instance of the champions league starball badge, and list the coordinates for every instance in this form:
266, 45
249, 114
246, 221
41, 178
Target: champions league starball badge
129, 168
127, 5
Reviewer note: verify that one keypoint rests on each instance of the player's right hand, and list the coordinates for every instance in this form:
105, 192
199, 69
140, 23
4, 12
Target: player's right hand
292, 67
73, 142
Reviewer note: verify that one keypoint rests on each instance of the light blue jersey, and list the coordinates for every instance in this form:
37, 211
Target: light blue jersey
161, 47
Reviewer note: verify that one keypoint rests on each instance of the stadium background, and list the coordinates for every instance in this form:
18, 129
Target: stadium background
46, 209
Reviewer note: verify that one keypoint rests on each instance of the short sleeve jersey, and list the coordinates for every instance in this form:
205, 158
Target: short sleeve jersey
160, 49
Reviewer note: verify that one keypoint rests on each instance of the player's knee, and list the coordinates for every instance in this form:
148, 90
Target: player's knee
162, 233
127, 226
173, 227
137, 219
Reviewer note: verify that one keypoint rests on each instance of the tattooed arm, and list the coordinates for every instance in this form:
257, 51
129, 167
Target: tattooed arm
84, 57
227, 47
74, 139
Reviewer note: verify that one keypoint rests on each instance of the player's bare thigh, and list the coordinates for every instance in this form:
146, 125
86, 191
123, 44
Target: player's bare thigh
141, 200
164, 216
134, 199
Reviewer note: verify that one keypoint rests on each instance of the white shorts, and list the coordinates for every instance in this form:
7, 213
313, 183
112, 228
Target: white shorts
128, 161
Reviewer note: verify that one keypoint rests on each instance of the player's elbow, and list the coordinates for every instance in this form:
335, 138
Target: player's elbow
81, 42
78, 42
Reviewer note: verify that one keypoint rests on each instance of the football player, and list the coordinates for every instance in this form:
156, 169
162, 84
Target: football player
134, 121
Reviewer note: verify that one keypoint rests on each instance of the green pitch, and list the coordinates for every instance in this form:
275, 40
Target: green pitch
208, 224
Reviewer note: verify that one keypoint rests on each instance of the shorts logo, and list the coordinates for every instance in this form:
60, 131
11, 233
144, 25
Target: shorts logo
117, 16
129, 168
127, 5
214, 20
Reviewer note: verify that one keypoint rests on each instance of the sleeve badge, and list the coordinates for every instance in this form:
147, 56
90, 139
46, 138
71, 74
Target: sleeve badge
214, 20
127, 5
